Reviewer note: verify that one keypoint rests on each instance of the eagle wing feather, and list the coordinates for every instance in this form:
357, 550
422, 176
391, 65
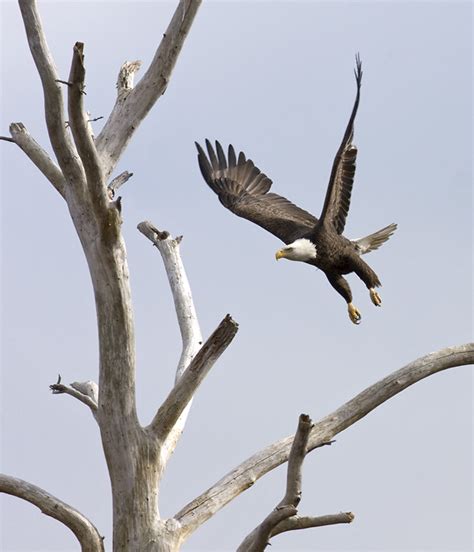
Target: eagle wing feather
243, 189
338, 195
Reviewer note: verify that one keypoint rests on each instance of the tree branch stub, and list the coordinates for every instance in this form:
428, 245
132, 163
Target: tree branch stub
80, 128
126, 77
295, 462
187, 384
117, 183
306, 522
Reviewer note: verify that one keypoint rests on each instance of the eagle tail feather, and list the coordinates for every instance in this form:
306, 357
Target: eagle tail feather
375, 240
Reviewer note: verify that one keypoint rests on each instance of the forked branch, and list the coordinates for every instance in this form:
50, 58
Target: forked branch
186, 314
246, 474
259, 538
85, 532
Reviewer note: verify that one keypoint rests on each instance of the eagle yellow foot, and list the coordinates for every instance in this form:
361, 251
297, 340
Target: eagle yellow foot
375, 297
354, 314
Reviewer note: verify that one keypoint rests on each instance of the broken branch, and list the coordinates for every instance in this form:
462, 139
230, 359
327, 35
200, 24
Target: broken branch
79, 123
188, 383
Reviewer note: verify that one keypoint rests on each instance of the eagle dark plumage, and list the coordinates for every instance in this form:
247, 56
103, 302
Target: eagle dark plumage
244, 190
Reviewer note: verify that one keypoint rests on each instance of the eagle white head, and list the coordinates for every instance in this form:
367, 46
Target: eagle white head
300, 250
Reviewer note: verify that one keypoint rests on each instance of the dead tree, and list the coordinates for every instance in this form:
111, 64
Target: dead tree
137, 456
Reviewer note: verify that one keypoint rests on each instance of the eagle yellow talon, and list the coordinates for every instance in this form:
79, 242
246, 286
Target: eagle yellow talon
354, 314
375, 297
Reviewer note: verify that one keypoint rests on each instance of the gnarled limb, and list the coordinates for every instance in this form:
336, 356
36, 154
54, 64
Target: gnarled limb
22, 138
127, 115
246, 474
85, 532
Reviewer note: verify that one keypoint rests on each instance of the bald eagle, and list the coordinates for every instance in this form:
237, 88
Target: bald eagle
244, 190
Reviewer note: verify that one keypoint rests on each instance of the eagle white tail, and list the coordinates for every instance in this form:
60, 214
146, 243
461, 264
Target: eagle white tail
375, 240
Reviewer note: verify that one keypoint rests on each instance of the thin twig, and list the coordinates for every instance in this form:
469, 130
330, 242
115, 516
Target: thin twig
79, 392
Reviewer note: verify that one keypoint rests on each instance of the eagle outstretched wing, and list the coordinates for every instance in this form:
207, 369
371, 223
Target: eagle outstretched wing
338, 195
243, 189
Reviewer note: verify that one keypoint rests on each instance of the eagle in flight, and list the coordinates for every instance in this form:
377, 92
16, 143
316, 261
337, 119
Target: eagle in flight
244, 190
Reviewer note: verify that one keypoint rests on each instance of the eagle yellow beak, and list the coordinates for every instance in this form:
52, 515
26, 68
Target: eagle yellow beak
280, 254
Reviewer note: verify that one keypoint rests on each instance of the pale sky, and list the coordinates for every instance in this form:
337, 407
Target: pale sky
275, 79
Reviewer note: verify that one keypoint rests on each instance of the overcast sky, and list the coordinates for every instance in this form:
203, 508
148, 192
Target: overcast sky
276, 80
